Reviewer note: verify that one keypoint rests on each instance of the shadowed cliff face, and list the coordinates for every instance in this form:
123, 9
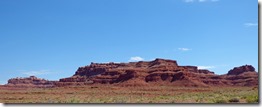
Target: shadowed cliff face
158, 71
242, 69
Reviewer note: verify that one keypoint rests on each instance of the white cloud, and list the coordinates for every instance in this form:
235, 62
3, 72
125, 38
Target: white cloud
184, 49
34, 73
200, 1
136, 58
250, 24
189, 1
205, 67
2, 82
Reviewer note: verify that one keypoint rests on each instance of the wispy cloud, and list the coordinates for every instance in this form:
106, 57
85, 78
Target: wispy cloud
184, 49
136, 58
34, 73
189, 1
250, 24
205, 67
200, 1
2, 82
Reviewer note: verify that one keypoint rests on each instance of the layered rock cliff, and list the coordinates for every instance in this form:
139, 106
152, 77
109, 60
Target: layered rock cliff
160, 71
30, 81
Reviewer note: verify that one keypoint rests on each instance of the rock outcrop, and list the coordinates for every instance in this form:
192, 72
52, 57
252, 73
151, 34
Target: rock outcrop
160, 71
30, 81
240, 70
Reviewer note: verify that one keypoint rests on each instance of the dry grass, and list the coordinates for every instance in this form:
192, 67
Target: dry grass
118, 94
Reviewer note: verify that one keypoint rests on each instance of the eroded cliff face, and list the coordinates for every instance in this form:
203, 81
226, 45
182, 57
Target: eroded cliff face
160, 71
240, 70
30, 81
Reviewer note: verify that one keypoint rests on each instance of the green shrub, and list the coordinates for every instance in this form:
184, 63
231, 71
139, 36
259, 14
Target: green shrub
252, 99
220, 101
74, 101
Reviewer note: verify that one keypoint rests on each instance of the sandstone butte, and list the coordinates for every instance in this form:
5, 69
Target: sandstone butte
143, 73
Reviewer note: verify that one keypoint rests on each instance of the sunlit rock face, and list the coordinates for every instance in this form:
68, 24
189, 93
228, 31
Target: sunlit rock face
162, 71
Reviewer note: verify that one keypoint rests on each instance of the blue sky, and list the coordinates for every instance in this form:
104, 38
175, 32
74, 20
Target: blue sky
52, 38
